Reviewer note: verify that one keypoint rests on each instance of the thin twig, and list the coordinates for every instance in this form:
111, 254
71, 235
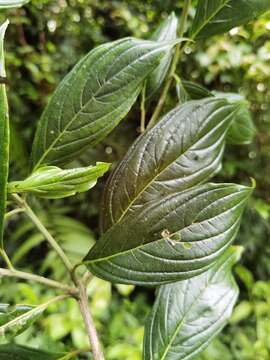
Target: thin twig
39, 279
30, 213
9, 214
82, 297
74, 353
89, 323
142, 128
176, 57
6, 259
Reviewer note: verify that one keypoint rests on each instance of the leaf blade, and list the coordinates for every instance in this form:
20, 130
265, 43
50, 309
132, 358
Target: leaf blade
218, 16
167, 31
5, 4
209, 296
93, 98
20, 319
52, 182
164, 159
172, 246
18, 352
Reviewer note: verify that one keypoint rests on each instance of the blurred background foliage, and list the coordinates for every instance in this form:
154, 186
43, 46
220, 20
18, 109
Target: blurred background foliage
45, 39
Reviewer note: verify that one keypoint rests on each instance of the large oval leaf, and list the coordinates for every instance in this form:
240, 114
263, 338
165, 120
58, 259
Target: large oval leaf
93, 98
182, 150
171, 238
188, 314
17, 352
4, 135
218, 16
5, 4
165, 32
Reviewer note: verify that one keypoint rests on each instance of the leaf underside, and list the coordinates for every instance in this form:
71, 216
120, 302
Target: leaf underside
188, 314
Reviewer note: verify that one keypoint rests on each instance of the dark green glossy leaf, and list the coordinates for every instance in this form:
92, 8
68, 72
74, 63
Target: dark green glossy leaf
17, 352
93, 98
52, 182
5, 4
218, 16
184, 149
242, 129
165, 32
188, 314
171, 238
4, 135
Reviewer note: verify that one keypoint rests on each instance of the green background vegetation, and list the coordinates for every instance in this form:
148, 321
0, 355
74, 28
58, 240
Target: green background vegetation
45, 39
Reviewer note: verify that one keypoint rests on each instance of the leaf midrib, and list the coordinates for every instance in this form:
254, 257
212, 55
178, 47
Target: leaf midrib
162, 170
207, 20
178, 328
121, 253
86, 104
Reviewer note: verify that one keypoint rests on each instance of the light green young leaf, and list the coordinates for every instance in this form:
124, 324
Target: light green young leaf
4, 135
218, 16
171, 238
8, 312
94, 97
5, 4
17, 352
165, 32
188, 314
52, 182
20, 319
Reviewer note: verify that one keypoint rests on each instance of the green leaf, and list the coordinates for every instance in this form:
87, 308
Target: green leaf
93, 98
14, 321
4, 135
148, 192
173, 237
182, 150
188, 314
188, 90
9, 312
5, 4
52, 182
218, 16
165, 32
17, 352
242, 129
